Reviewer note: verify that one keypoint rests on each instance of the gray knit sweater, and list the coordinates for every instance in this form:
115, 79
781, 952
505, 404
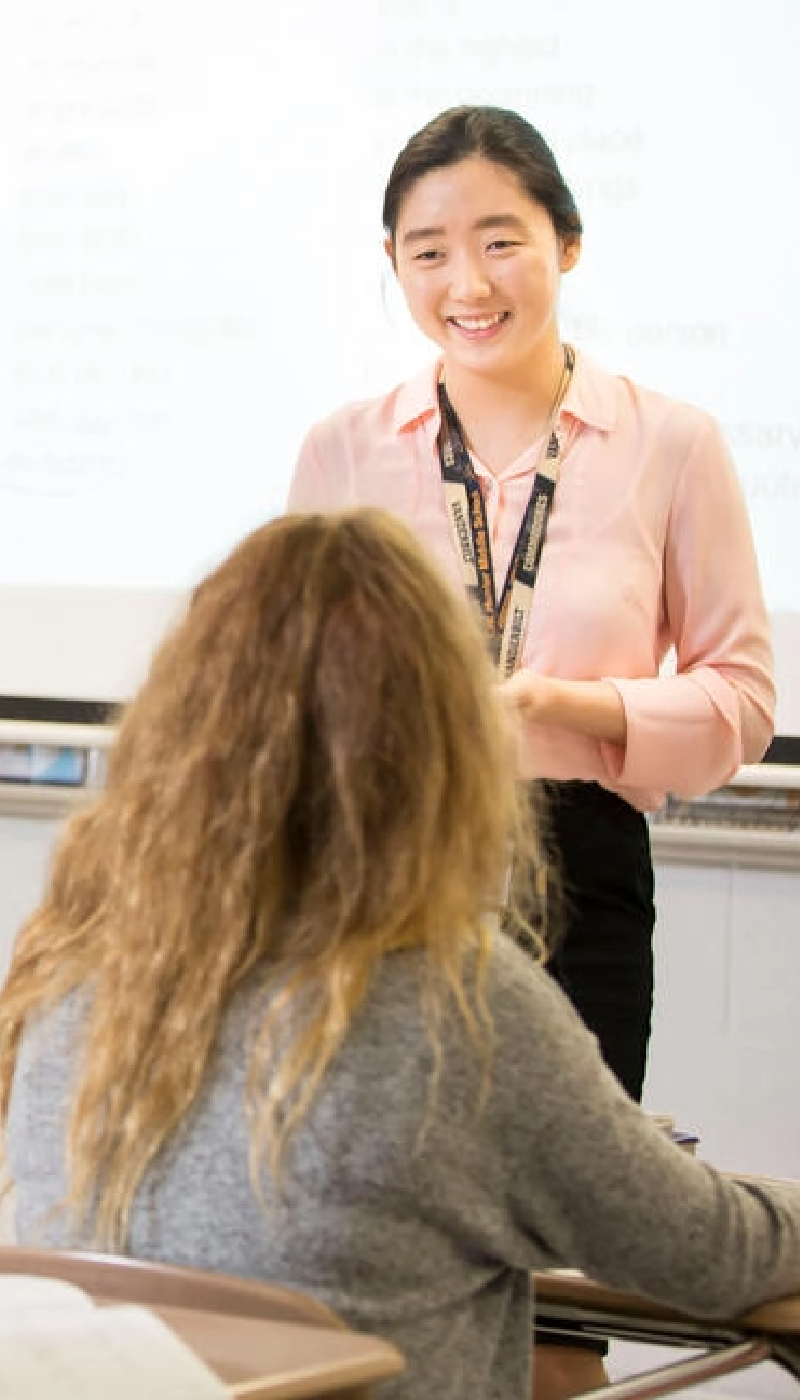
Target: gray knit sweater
421, 1222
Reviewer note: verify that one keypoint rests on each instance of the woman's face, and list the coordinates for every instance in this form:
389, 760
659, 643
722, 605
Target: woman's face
480, 264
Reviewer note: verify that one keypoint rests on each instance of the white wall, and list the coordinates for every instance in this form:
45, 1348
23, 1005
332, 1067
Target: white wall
25, 846
727, 1032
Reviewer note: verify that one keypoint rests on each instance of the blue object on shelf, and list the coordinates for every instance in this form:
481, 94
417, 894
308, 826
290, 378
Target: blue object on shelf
46, 764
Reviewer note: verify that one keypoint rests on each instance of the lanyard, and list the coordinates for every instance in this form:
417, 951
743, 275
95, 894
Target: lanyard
506, 621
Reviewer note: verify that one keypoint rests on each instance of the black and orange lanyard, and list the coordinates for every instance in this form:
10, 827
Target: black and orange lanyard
506, 622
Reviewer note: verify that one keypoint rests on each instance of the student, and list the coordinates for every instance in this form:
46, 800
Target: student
264, 1023
647, 543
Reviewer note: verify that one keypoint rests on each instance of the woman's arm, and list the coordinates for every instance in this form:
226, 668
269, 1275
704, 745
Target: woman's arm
687, 730
690, 731
587, 707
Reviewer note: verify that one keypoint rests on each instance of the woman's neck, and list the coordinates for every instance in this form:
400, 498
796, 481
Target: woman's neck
502, 416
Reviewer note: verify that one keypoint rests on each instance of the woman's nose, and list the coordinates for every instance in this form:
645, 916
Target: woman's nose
468, 277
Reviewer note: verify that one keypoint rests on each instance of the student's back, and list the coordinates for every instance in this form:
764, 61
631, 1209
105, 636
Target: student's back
420, 1217
262, 1023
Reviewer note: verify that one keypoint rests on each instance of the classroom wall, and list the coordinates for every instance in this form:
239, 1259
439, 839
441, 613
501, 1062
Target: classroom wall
25, 846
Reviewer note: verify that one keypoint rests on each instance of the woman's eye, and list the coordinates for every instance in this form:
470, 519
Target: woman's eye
428, 255
503, 244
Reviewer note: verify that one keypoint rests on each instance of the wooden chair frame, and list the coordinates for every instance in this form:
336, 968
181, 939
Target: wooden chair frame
120, 1279
194, 1302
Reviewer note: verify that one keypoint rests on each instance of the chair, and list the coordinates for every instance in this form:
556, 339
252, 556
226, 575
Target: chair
302, 1348
576, 1306
119, 1279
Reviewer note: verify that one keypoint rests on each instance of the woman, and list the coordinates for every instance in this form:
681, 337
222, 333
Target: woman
512, 436
596, 523
263, 1022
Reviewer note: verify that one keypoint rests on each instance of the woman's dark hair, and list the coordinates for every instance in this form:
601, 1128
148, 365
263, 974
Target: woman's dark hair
497, 134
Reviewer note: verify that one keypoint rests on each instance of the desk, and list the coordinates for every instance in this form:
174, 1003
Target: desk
268, 1360
572, 1304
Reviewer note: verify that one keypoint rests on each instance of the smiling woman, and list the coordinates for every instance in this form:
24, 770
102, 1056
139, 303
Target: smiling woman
593, 521
480, 265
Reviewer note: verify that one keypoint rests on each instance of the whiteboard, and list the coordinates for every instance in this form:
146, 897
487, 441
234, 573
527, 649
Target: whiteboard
191, 267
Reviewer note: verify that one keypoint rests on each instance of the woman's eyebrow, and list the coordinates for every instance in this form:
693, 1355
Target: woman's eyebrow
500, 221
417, 235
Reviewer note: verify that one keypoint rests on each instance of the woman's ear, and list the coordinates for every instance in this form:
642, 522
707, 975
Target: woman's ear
388, 248
570, 251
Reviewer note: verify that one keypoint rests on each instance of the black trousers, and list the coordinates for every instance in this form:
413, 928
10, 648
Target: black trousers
603, 960
604, 957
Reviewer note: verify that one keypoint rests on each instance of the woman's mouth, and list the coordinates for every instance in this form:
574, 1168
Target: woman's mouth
479, 327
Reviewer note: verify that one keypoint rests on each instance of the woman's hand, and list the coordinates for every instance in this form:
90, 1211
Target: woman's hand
593, 708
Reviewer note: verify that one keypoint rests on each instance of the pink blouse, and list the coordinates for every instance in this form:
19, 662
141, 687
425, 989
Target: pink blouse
648, 547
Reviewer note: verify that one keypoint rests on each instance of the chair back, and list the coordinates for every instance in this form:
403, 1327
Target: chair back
119, 1279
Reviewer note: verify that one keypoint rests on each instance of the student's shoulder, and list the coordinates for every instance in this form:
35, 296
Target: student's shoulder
519, 988
50, 1046
508, 979
541, 1049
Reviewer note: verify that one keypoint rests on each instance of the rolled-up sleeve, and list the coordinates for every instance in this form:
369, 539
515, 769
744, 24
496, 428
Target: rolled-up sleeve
689, 731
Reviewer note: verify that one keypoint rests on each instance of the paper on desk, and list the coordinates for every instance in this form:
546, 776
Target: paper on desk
29, 1291
89, 1353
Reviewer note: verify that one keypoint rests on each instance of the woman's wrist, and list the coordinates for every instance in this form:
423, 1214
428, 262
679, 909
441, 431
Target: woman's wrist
592, 708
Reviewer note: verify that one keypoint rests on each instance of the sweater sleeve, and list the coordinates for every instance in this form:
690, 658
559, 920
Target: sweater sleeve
589, 1177
689, 732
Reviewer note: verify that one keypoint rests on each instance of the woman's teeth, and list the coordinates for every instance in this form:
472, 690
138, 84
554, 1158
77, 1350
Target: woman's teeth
478, 323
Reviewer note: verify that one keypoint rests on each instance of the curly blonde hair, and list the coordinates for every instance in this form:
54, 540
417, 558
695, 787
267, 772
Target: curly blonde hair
315, 773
